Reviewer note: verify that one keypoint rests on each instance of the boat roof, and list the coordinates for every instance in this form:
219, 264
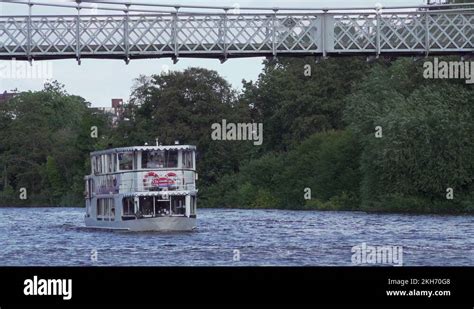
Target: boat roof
143, 148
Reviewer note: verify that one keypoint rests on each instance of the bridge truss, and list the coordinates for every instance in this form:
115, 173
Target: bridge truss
142, 30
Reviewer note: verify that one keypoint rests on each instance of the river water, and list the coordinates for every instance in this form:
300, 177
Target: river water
57, 237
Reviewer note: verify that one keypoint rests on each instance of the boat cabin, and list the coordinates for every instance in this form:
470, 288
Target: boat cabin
134, 183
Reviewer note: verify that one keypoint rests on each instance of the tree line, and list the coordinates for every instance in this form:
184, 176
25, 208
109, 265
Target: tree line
339, 134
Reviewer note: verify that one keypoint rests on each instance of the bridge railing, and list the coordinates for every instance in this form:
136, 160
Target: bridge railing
223, 36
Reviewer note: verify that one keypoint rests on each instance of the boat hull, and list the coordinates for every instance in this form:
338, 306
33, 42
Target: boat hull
147, 224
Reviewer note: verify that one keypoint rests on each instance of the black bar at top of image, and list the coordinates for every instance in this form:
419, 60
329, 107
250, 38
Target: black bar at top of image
237, 285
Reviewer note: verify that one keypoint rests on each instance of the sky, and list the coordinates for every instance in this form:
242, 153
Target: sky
99, 80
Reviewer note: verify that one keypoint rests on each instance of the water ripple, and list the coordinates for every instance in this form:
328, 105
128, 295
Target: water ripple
57, 237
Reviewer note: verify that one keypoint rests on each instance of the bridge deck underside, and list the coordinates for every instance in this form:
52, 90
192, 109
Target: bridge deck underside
226, 36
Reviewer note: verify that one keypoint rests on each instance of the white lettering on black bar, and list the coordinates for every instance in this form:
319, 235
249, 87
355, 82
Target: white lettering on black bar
48, 287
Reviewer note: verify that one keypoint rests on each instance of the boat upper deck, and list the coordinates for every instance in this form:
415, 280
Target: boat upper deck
143, 148
143, 169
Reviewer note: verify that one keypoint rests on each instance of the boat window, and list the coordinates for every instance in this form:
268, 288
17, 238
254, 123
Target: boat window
103, 164
178, 205
106, 209
187, 159
147, 206
193, 205
160, 159
162, 206
87, 192
110, 163
94, 165
89, 188
153, 159
155, 206
128, 206
125, 161
98, 165
172, 158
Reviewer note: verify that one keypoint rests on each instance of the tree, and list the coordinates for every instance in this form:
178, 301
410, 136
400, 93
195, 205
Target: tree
325, 163
295, 98
427, 127
45, 143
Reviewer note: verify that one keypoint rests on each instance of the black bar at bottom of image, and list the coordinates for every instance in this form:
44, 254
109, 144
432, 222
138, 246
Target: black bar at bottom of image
239, 285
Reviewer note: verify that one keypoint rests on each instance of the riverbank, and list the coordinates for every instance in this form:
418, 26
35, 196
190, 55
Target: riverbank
415, 206
325, 207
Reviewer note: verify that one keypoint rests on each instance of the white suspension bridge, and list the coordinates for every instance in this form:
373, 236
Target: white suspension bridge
133, 30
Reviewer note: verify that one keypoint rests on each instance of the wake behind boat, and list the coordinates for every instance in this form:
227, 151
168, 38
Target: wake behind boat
142, 188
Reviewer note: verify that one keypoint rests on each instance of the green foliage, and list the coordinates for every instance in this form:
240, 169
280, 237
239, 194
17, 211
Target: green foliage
44, 145
427, 143
264, 199
326, 163
292, 105
397, 202
345, 201
319, 133
7, 195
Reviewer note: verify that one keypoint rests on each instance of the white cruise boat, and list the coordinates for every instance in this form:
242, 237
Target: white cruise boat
144, 188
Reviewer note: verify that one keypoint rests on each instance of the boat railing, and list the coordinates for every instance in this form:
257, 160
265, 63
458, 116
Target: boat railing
140, 186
